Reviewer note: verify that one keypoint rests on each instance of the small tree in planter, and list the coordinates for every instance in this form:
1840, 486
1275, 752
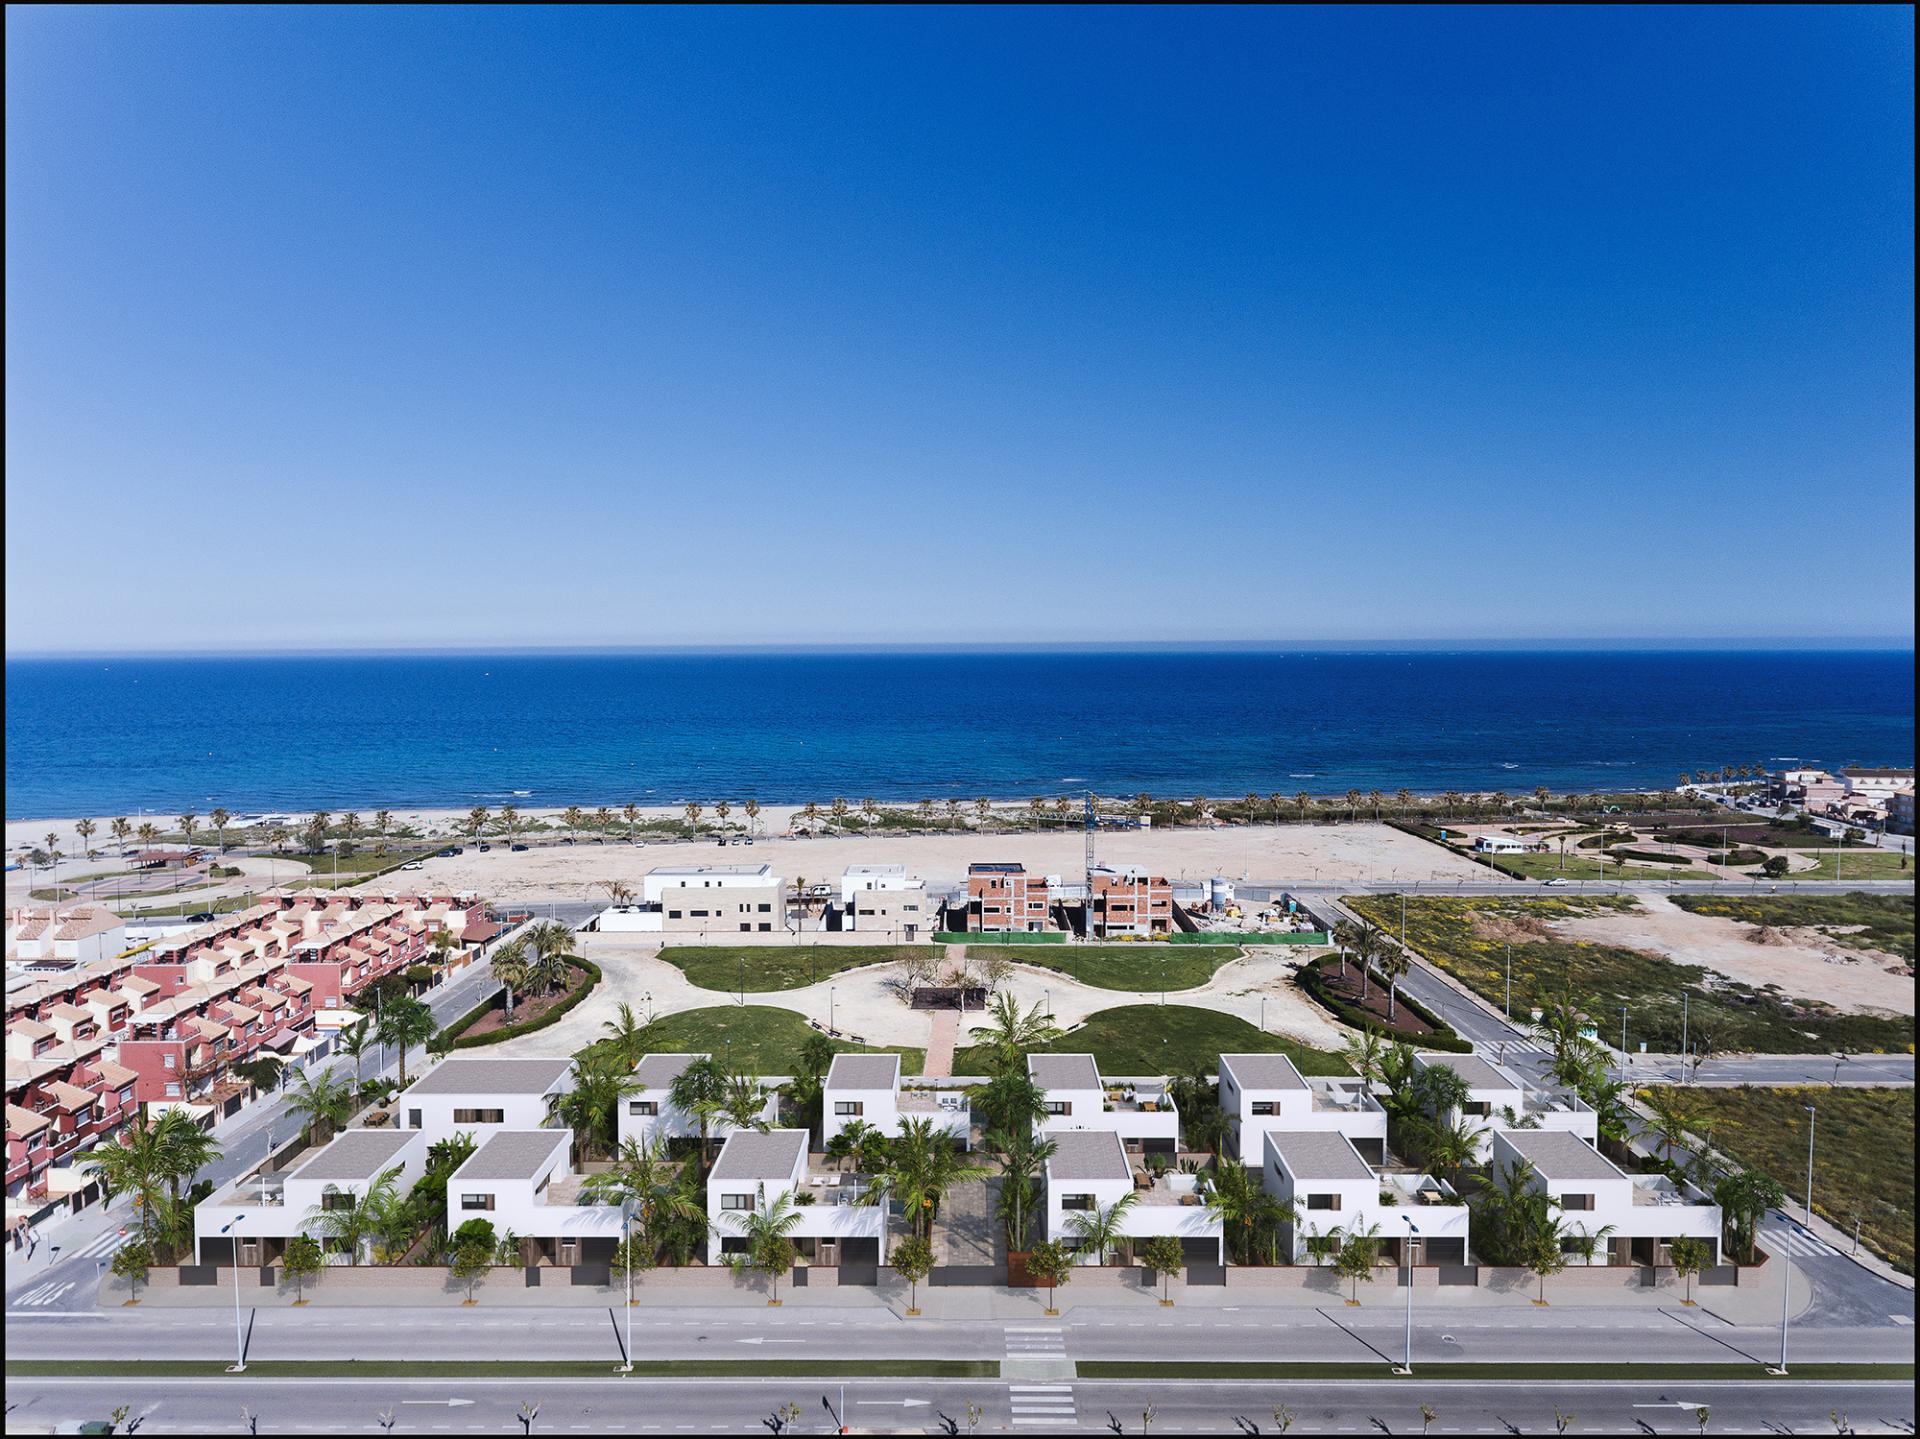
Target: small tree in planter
301, 1262
1162, 1255
913, 1261
1689, 1258
472, 1258
766, 1227
1051, 1262
1359, 1247
131, 1262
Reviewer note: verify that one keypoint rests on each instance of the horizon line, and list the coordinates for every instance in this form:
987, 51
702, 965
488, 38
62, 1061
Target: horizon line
1464, 644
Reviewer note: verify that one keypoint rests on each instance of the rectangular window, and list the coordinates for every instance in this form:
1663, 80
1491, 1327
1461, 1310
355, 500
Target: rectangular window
849, 1106
166, 1061
766, 909
1261, 1106
479, 1116
1076, 1201
476, 1201
736, 1201
1323, 1201
1059, 1106
336, 1201
673, 914
414, 1119
647, 1107
1576, 1201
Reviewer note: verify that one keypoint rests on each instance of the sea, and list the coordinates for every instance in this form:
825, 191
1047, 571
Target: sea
283, 734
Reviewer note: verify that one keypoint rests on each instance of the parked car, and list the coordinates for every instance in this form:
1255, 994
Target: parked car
484, 848
204, 916
515, 848
413, 864
450, 850
1557, 879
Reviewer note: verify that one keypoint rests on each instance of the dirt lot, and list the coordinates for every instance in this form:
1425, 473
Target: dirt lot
1803, 962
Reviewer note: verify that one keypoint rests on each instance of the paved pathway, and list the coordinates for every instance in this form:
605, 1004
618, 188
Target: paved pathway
946, 1031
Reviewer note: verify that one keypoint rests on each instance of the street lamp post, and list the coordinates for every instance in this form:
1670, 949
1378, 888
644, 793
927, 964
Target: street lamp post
626, 1240
1786, 1270
1623, 1044
1506, 1008
239, 1365
1412, 1231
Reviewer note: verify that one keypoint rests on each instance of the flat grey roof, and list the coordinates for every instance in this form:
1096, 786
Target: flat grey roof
1319, 1154
357, 1154
1263, 1071
863, 1071
1471, 1067
513, 1154
658, 1071
748, 1155
1560, 1155
1064, 1071
689, 871
1085, 1156
491, 1076
866, 869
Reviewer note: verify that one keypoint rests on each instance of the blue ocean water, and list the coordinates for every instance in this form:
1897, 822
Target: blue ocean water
94, 736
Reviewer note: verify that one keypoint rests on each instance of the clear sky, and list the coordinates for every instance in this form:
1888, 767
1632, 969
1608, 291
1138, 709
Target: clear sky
387, 327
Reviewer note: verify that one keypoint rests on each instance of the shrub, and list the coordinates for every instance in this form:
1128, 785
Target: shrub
455, 1036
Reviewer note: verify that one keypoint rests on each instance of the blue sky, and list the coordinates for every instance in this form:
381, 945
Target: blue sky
340, 328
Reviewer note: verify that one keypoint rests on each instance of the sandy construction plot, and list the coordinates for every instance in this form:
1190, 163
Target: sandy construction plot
1803, 962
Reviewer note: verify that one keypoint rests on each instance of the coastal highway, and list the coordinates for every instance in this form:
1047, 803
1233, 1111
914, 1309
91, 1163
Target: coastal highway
942, 1406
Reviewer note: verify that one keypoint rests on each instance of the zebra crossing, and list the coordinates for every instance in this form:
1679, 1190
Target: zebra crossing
1042, 1406
101, 1247
1797, 1243
1039, 1405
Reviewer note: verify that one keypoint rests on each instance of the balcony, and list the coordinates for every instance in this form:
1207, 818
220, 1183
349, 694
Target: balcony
1342, 1096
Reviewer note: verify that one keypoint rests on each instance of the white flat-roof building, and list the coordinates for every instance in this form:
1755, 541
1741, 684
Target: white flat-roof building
522, 1180
1497, 1098
1502, 844
702, 899
1332, 1187
650, 1113
482, 1096
1091, 1170
1647, 1212
1259, 1092
1138, 1109
882, 899
262, 1211
866, 1088
754, 1169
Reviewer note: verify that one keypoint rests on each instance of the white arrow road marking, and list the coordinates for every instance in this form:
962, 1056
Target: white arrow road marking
761, 1339
442, 1403
896, 1403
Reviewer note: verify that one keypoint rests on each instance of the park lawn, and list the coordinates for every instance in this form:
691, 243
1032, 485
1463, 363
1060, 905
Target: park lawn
224, 905
1862, 1152
753, 1037
1584, 864
1727, 1016
1858, 921
1144, 966
775, 967
362, 864
1140, 1039
1851, 864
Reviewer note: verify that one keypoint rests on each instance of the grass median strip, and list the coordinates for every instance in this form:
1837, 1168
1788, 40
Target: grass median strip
507, 1368
766, 968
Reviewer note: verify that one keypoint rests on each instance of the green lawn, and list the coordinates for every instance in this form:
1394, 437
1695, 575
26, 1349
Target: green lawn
363, 863
1584, 864
1862, 1153
753, 1037
1119, 966
774, 967
1852, 864
1858, 921
1730, 1016
1167, 1039
226, 905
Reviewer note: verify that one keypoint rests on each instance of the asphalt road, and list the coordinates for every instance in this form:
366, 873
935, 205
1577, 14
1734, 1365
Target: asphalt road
648, 1406
1330, 1333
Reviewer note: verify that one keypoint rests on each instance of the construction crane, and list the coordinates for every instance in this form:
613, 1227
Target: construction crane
1092, 824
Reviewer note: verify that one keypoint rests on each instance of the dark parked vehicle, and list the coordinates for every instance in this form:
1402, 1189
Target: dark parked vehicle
205, 916
516, 848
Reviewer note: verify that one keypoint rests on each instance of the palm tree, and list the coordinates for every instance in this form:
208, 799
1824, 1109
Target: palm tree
870, 808
1037, 807
1011, 1101
136, 1161
85, 828
120, 829
1587, 1243
1199, 809
699, 1090
1452, 1145
742, 1100
1008, 1034
148, 832
1403, 799
626, 1035
477, 821
721, 810
857, 1144
810, 812
350, 825
354, 1041
1022, 1159
1672, 1116
591, 1108
631, 814
189, 822
406, 1022
923, 1163
1303, 801
1374, 800
953, 813
573, 818
382, 822
767, 1228
643, 1175
347, 1226
1353, 804
751, 809
510, 822
924, 811
511, 968
320, 1103
983, 811
1365, 1051
1103, 1229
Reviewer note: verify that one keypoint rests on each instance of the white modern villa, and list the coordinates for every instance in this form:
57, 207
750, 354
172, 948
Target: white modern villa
649, 1112
1090, 1171
754, 1169
884, 899
523, 1181
482, 1096
866, 1088
1139, 1110
1497, 1098
1259, 1092
1333, 1188
260, 1211
1644, 1212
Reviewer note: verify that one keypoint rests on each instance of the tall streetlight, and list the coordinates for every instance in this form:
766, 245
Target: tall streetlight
1786, 1270
239, 1365
1413, 1231
626, 1241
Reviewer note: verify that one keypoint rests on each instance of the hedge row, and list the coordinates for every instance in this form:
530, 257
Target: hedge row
1653, 856
454, 1036
1313, 981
